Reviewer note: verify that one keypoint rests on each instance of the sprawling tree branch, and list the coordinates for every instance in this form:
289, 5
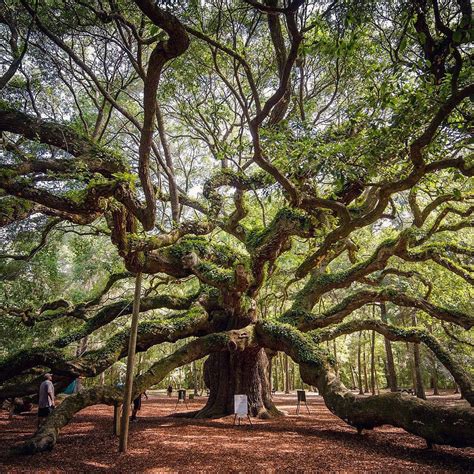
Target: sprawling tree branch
305, 320
437, 424
46, 437
414, 335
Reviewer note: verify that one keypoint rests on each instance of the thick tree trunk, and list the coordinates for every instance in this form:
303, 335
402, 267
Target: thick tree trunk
228, 374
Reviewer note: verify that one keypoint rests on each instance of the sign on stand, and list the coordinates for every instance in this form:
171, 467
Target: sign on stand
301, 399
241, 408
181, 398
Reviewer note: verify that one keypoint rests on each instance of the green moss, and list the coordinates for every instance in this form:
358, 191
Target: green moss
6, 106
198, 245
215, 252
285, 220
214, 274
6, 174
10, 207
296, 316
76, 195
303, 350
126, 178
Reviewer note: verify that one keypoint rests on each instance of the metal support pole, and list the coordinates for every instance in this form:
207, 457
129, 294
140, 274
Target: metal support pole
127, 399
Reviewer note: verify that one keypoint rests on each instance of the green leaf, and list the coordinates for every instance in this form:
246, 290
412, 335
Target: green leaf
457, 36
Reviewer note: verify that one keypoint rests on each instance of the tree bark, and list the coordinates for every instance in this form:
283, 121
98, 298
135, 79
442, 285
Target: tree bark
354, 385
276, 385
287, 374
195, 378
391, 373
436, 424
359, 365
419, 389
366, 378
228, 374
132, 345
372, 364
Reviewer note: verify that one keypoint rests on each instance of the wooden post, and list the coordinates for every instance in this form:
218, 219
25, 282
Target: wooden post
127, 399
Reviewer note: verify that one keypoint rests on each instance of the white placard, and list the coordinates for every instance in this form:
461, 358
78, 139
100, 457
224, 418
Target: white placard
241, 406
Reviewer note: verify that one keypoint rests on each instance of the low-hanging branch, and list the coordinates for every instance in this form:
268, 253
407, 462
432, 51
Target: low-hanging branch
437, 424
306, 320
61, 308
415, 335
46, 437
195, 322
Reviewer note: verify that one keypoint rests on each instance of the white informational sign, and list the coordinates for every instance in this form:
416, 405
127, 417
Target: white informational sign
241, 406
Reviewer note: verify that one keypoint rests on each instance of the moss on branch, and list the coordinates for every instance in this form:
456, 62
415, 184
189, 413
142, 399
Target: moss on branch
46, 437
306, 320
414, 335
437, 424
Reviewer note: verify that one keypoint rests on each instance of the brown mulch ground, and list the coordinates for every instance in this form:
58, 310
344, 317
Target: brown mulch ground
160, 443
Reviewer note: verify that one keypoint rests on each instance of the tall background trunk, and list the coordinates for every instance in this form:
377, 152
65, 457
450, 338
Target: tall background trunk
391, 373
419, 389
359, 365
287, 374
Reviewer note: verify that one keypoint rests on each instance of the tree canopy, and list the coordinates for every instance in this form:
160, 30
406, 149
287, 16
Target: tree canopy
273, 168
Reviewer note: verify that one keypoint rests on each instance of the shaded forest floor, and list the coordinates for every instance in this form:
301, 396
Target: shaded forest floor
160, 443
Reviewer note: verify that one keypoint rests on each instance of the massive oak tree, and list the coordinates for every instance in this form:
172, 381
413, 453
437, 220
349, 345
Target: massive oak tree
313, 157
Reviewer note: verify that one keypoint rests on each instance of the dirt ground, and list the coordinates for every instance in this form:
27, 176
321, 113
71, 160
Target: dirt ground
160, 443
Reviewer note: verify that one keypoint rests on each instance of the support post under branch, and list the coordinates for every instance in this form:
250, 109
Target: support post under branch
127, 399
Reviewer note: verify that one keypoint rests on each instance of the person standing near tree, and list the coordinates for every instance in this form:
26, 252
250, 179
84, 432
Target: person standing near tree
45, 399
137, 405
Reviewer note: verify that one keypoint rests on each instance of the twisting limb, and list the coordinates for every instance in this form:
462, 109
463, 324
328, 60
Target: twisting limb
320, 283
268, 244
164, 51
97, 159
13, 209
43, 241
438, 425
406, 274
46, 437
61, 308
415, 335
194, 322
306, 321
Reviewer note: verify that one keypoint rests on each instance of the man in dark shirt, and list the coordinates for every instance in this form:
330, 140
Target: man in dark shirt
137, 404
